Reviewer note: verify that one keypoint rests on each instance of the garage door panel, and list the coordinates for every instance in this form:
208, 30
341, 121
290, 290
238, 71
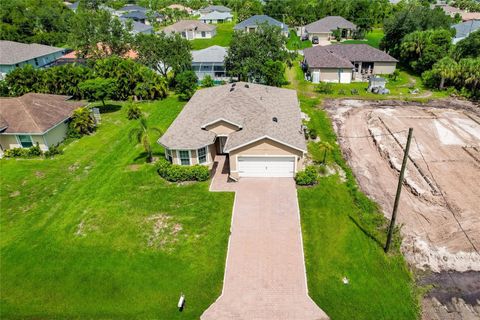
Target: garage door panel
266, 166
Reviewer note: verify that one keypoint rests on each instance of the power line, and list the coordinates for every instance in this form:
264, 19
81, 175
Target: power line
445, 199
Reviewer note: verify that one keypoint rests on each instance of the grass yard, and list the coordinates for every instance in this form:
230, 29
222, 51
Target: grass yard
294, 42
96, 234
372, 38
222, 38
343, 234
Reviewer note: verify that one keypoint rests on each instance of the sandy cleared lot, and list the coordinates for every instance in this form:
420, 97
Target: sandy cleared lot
440, 204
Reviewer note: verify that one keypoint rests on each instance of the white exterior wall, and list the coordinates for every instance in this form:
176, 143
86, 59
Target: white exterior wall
384, 67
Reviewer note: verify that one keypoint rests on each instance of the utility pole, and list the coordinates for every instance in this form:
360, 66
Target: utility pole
399, 190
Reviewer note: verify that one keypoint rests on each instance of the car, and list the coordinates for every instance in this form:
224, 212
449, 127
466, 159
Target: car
315, 40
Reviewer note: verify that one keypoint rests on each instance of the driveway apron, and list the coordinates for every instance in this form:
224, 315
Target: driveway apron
265, 273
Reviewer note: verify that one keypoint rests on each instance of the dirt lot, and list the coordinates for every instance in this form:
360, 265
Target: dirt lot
439, 209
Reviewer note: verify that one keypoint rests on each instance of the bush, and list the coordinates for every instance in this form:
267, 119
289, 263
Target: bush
324, 87
81, 124
133, 111
53, 151
207, 82
312, 133
307, 177
186, 85
33, 151
178, 173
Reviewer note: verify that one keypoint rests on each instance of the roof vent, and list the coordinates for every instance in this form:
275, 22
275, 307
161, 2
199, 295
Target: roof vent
247, 86
274, 119
231, 89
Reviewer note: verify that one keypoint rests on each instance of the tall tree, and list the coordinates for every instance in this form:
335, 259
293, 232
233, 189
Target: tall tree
98, 89
164, 53
468, 47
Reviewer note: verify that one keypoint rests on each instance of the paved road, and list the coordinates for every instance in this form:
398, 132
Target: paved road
265, 272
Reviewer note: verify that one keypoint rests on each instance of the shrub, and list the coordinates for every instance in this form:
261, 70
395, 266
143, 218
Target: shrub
186, 84
207, 82
341, 92
53, 151
178, 173
81, 123
324, 87
312, 134
133, 111
307, 177
33, 151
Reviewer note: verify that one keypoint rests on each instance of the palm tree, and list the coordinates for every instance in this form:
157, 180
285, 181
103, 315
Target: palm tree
447, 68
470, 71
142, 135
327, 147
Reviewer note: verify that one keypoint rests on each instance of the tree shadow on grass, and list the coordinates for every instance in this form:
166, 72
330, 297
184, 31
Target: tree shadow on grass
366, 232
108, 108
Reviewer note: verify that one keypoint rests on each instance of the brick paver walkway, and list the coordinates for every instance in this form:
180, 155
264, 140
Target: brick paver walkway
265, 272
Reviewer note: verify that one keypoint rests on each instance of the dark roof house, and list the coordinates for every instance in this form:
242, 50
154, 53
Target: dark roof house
212, 8
253, 22
329, 24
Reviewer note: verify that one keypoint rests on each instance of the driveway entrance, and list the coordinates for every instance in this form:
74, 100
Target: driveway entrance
265, 273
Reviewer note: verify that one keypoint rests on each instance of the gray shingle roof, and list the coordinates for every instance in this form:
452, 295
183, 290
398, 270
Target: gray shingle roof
35, 112
132, 7
259, 19
252, 107
360, 52
463, 29
210, 54
215, 15
138, 27
328, 24
318, 57
12, 52
215, 8
184, 25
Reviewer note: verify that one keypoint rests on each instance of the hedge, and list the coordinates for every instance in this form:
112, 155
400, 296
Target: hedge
307, 177
178, 173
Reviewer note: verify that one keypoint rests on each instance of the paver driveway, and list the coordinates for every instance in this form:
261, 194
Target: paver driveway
265, 272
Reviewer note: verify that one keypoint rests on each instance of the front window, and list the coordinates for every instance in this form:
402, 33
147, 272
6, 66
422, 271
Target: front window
184, 34
203, 34
168, 155
202, 155
184, 156
25, 141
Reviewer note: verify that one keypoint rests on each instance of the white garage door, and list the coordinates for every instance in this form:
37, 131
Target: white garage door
266, 166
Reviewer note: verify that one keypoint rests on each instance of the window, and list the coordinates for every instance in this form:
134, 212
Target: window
25, 141
168, 155
184, 34
36, 61
184, 156
202, 155
203, 34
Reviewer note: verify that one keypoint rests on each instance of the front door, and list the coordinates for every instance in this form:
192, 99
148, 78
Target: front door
221, 145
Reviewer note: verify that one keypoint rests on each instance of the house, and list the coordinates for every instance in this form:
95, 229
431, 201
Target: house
15, 54
71, 57
192, 29
34, 118
142, 17
344, 63
252, 23
321, 31
216, 17
210, 61
138, 27
181, 8
132, 7
453, 11
212, 8
258, 128
463, 29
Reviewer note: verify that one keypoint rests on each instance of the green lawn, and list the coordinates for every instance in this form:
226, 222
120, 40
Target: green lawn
372, 38
294, 42
77, 232
222, 38
343, 233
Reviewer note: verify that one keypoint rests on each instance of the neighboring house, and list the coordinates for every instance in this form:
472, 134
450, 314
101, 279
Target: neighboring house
463, 29
344, 63
210, 61
35, 117
321, 31
216, 17
15, 54
252, 23
138, 27
132, 7
214, 8
452, 12
181, 8
142, 16
258, 128
192, 29
71, 57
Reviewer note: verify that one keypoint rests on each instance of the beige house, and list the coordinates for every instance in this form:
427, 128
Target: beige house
321, 32
345, 63
258, 128
34, 118
192, 29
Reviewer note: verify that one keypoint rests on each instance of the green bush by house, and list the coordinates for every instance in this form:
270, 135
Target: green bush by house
307, 177
178, 173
